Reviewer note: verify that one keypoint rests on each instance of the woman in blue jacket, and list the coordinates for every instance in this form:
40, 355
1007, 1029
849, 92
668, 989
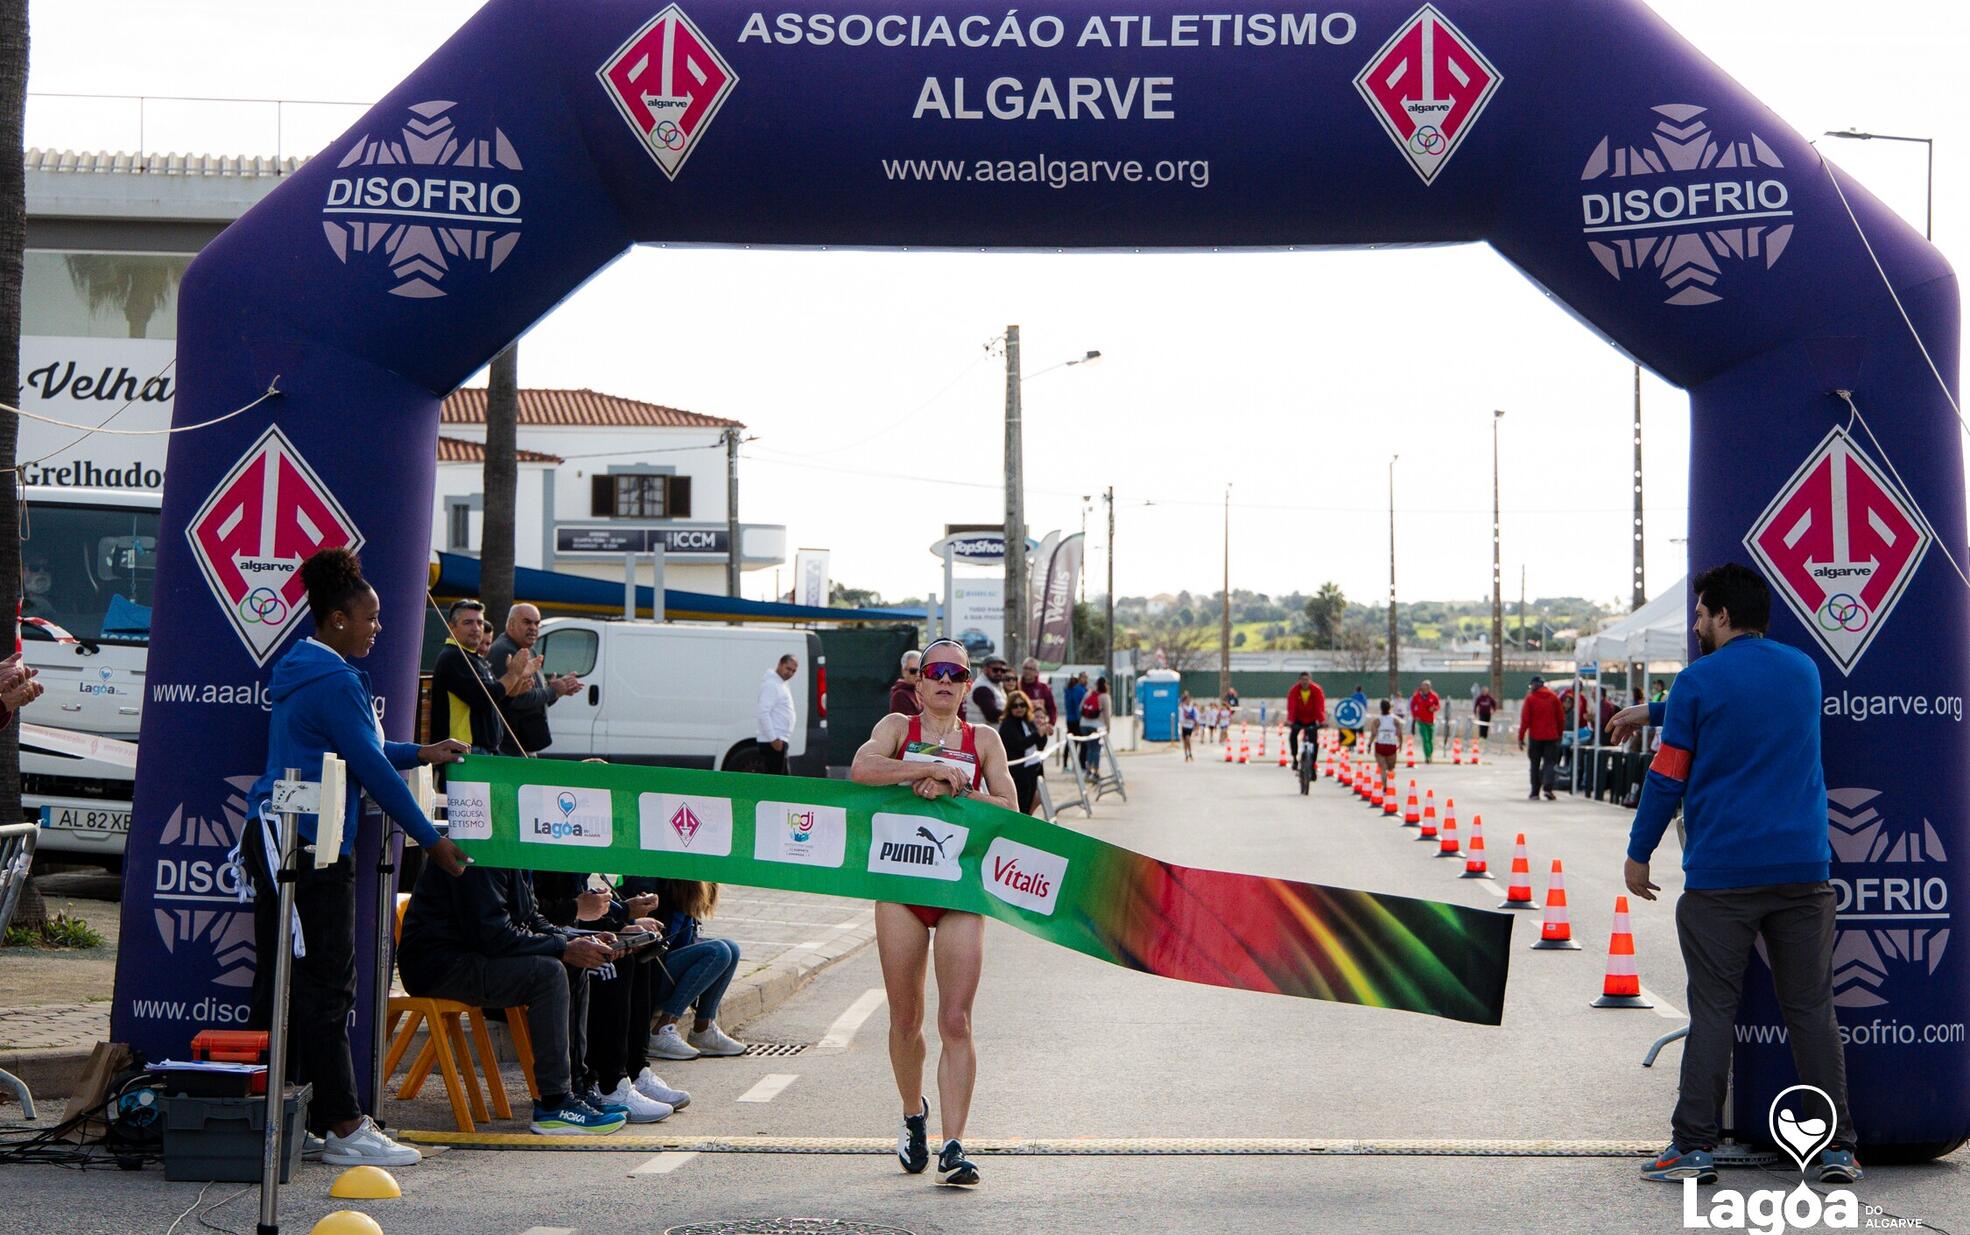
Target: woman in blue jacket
323, 704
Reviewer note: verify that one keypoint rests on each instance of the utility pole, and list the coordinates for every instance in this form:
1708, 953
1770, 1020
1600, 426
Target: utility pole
1522, 608
1641, 596
1015, 529
1108, 660
1394, 685
1080, 581
731, 437
1497, 597
1224, 625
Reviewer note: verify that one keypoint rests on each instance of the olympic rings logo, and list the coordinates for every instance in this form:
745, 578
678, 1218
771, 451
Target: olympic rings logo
1843, 611
1429, 140
668, 135
264, 606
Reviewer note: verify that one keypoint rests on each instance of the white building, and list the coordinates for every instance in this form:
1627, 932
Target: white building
600, 477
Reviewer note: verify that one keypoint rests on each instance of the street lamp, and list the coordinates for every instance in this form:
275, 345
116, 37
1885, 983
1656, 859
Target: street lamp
1394, 688
1497, 595
1015, 522
1929, 180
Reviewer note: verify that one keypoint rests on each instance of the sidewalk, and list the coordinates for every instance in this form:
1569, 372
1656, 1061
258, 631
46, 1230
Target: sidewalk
785, 938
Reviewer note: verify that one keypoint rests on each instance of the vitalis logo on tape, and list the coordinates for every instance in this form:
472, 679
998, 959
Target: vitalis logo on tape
685, 823
1427, 85
916, 845
668, 82
253, 532
550, 815
800, 833
1697, 202
1841, 544
428, 198
1022, 875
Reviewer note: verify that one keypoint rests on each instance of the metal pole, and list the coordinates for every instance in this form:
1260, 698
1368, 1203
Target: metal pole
1522, 647
1395, 688
657, 580
1108, 659
732, 512
1929, 193
1641, 595
386, 919
1224, 625
270, 1146
1015, 528
949, 617
629, 586
1497, 596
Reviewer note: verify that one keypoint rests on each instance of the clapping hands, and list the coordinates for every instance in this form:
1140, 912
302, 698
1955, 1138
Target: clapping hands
18, 686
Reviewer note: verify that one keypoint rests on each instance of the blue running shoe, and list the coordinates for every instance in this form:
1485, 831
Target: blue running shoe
1837, 1166
913, 1147
953, 1167
1674, 1165
574, 1118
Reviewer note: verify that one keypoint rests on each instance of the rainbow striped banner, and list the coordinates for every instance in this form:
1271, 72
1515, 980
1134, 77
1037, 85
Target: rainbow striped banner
1247, 932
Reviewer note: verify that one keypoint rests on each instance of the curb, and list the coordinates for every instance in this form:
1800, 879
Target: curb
755, 994
50, 1075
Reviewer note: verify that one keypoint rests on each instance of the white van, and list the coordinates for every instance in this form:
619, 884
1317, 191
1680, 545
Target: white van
680, 695
88, 562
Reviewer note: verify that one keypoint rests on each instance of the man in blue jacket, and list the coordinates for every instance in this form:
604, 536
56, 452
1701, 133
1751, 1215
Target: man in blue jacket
1741, 754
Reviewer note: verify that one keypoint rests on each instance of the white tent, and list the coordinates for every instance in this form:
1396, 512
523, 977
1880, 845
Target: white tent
1659, 630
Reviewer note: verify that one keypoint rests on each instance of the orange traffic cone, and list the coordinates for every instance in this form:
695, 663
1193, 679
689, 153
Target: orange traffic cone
1448, 849
1388, 802
1428, 818
1227, 748
1374, 794
1261, 742
1456, 750
1244, 754
1428, 831
1518, 894
1284, 762
1556, 932
1409, 815
1622, 987
1409, 753
1477, 750
1474, 855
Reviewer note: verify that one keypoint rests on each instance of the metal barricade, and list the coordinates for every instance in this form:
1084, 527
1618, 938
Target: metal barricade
16, 859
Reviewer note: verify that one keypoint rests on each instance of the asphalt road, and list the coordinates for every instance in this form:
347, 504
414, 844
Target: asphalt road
1073, 1048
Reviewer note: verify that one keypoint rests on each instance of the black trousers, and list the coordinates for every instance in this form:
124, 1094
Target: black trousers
1293, 736
322, 993
772, 762
1026, 783
1717, 930
1540, 758
619, 1012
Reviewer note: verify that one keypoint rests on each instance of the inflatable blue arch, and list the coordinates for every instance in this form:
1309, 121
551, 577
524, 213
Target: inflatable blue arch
1584, 140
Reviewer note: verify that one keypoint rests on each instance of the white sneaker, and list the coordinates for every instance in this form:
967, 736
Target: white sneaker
652, 1086
312, 1147
667, 1043
367, 1146
643, 1109
715, 1041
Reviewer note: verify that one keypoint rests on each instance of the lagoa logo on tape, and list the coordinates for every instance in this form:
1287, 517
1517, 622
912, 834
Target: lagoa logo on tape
550, 815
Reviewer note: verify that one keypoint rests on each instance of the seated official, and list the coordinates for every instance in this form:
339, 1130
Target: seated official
610, 1041
480, 939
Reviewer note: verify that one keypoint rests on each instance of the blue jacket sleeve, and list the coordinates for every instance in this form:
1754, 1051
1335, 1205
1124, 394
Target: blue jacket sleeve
402, 755
1657, 710
356, 740
1668, 774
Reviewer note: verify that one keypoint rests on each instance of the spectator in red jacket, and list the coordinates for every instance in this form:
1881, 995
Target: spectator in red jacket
1306, 709
1543, 717
1038, 692
1423, 707
903, 691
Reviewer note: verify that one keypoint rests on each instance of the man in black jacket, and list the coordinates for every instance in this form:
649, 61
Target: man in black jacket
463, 686
480, 939
526, 712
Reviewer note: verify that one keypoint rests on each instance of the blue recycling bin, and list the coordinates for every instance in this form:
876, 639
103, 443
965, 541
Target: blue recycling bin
1157, 694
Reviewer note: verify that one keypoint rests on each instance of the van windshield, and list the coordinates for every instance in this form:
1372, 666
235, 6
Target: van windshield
88, 570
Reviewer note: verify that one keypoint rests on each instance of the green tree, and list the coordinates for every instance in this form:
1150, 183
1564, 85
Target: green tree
1325, 611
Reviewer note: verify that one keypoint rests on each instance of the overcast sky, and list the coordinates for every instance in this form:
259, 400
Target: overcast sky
1261, 370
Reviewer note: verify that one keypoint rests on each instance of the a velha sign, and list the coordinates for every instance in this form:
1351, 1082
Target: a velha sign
674, 541
1646, 191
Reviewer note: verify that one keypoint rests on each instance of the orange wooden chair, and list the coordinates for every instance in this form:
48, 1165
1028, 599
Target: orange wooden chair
448, 1048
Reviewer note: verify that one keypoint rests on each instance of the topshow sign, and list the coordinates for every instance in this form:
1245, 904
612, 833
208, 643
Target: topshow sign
976, 548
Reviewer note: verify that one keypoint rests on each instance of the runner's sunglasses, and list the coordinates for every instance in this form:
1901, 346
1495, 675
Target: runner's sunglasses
946, 671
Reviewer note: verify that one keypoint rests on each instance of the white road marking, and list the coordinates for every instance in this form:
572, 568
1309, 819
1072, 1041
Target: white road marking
549, 1230
835, 932
842, 1032
1663, 1008
664, 1163
1491, 886
769, 1087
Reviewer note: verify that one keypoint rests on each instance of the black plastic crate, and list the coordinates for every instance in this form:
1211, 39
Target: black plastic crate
222, 1138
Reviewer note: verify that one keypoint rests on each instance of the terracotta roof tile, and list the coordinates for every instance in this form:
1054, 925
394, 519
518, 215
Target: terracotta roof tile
457, 450
578, 409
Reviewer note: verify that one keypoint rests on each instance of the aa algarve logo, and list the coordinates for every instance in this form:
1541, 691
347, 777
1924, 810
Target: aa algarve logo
1801, 1121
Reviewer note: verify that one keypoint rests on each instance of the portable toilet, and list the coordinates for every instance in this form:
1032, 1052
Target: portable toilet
1157, 694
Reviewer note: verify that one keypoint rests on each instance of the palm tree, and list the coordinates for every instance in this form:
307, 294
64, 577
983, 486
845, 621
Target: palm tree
500, 480
138, 286
13, 243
